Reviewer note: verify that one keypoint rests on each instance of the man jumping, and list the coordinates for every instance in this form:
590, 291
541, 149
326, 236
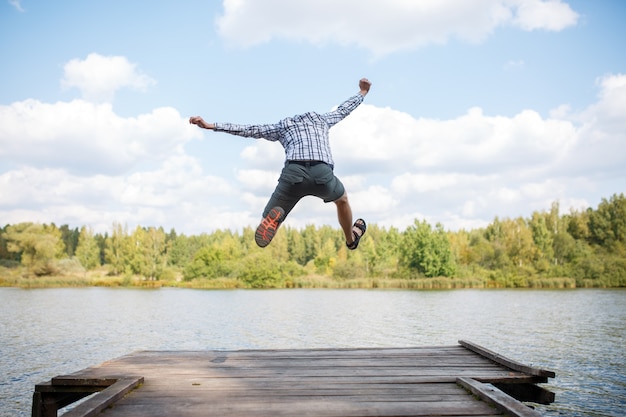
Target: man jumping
308, 166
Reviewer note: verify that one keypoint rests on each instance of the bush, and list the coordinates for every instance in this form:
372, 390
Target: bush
259, 270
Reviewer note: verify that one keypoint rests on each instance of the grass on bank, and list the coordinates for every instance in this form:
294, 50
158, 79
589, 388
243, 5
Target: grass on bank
18, 276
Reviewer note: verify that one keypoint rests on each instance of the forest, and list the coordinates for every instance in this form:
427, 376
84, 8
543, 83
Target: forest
579, 249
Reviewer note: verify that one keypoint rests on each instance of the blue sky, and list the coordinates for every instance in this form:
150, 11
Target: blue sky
478, 109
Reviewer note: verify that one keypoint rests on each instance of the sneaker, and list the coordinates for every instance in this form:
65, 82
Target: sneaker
268, 227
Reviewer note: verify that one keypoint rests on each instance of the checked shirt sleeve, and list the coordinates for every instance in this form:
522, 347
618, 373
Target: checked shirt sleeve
270, 132
343, 110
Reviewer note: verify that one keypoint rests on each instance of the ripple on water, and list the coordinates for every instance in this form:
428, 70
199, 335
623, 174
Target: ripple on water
578, 334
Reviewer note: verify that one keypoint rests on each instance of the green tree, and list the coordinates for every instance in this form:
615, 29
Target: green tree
481, 251
564, 246
460, 247
260, 270
148, 254
386, 244
607, 224
101, 241
88, 251
137, 262
296, 246
543, 239
312, 243
5, 254
427, 251
119, 250
554, 221
70, 239
279, 249
219, 259
38, 245
183, 249
180, 251
208, 262
155, 251
518, 241
577, 223
326, 257
499, 258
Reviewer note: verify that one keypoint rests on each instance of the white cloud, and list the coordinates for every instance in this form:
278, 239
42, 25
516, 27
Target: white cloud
460, 172
17, 4
258, 180
86, 137
99, 77
375, 199
464, 171
609, 110
177, 193
385, 26
385, 140
544, 14
264, 155
602, 143
514, 64
419, 183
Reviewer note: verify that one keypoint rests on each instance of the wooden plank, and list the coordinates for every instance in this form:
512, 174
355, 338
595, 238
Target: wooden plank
326, 408
345, 372
304, 387
304, 353
50, 388
340, 370
326, 361
63, 380
309, 382
96, 404
207, 360
498, 398
154, 379
496, 357
227, 400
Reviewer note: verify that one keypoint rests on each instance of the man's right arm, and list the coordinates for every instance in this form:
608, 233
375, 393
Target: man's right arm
199, 121
269, 132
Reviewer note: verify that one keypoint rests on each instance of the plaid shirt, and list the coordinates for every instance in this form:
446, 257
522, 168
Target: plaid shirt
304, 136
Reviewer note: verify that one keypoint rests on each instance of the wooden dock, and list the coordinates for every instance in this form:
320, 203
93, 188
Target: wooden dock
462, 380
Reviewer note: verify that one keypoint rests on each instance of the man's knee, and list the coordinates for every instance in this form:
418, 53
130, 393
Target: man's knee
342, 200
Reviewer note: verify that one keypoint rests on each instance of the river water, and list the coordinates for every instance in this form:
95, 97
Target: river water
579, 334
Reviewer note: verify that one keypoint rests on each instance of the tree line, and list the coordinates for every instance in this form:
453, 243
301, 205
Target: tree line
582, 247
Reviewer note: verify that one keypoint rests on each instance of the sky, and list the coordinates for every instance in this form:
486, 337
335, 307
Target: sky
478, 109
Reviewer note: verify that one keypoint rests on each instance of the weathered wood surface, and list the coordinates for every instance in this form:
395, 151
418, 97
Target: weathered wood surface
496, 397
105, 398
315, 382
509, 363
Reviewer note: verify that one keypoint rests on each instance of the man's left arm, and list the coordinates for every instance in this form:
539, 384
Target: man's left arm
345, 108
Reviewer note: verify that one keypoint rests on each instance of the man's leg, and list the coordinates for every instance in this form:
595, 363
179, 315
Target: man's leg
344, 214
280, 204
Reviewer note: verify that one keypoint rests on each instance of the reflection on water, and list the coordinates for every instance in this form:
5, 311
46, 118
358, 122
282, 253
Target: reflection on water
578, 334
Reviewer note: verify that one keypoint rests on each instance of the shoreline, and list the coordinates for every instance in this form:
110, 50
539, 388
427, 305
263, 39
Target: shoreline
301, 282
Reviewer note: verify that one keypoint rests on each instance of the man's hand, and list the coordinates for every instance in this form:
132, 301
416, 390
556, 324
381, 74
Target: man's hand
199, 121
364, 85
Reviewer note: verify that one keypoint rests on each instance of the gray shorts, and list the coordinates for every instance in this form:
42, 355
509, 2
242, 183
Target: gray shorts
299, 179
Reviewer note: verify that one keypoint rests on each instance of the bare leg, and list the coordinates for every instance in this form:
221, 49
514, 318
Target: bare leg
344, 214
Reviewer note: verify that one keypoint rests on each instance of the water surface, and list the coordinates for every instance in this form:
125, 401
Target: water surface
579, 334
